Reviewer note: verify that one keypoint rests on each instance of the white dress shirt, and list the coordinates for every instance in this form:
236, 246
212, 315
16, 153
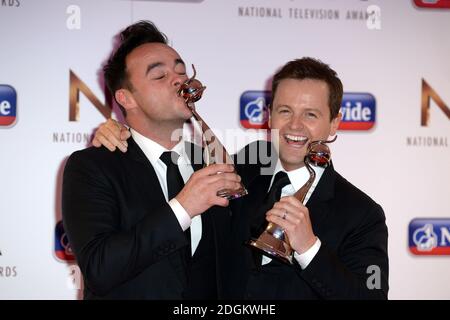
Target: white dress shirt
153, 151
298, 178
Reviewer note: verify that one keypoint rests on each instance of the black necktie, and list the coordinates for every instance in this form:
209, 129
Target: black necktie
175, 183
279, 182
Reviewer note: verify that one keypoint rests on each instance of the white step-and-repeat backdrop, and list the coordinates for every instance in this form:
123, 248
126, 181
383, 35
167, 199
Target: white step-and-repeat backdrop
392, 56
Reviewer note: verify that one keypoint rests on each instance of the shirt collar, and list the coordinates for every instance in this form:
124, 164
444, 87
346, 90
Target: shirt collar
298, 177
154, 150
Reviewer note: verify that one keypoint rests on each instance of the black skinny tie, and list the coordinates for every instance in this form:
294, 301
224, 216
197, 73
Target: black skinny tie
175, 183
280, 181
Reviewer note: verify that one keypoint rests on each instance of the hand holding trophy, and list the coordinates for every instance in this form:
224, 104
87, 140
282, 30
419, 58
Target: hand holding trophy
274, 242
191, 91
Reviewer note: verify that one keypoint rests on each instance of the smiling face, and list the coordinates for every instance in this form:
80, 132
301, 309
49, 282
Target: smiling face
301, 113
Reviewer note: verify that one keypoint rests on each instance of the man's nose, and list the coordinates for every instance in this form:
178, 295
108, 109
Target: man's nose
178, 79
296, 123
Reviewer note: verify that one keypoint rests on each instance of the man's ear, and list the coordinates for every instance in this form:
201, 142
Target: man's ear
335, 124
125, 99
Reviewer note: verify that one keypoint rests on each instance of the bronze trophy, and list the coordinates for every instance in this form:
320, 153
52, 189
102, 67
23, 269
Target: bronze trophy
191, 91
274, 242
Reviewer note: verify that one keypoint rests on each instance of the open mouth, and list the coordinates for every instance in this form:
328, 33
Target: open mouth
295, 140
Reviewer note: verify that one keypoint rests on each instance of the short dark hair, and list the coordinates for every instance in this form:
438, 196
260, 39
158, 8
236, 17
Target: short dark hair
133, 36
310, 68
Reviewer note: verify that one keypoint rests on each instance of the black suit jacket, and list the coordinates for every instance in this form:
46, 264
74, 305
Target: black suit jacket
350, 225
126, 239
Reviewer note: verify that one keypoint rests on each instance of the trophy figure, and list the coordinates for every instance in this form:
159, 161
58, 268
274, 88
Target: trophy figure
191, 91
274, 242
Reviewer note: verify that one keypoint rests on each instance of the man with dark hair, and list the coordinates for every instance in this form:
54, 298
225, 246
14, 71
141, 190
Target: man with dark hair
338, 234
143, 224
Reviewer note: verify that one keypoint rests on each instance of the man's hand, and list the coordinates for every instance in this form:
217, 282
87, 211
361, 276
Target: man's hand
112, 134
290, 214
200, 191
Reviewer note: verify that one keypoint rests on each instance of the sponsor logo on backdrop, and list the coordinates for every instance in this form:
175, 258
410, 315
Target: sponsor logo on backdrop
10, 3
77, 86
63, 250
6, 271
8, 105
359, 12
433, 4
429, 236
254, 109
358, 111
429, 95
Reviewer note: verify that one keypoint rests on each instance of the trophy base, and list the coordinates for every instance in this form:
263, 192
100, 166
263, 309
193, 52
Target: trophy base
232, 194
272, 247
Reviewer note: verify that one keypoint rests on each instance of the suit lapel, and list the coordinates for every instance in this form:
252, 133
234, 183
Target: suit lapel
319, 203
254, 214
151, 183
150, 180
195, 155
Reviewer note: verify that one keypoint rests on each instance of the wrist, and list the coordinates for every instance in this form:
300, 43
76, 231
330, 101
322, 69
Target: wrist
184, 203
307, 244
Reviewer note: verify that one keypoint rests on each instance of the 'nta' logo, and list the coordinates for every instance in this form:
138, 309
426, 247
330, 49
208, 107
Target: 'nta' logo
77, 85
428, 93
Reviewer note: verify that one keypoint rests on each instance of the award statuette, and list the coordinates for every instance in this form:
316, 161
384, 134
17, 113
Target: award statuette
191, 91
273, 242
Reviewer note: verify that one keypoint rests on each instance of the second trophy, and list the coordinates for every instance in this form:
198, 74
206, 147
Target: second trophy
214, 152
274, 242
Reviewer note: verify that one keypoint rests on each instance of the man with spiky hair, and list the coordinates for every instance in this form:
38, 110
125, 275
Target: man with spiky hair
148, 224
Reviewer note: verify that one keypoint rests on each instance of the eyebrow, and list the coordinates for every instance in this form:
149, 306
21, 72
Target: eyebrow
289, 107
314, 109
158, 64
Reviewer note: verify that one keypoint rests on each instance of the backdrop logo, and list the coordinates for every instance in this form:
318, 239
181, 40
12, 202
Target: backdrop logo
434, 4
63, 250
429, 93
8, 105
254, 107
358, 111
77, 86
429, 236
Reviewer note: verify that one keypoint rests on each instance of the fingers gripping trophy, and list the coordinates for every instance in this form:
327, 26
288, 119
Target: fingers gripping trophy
191, 91
274, 241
